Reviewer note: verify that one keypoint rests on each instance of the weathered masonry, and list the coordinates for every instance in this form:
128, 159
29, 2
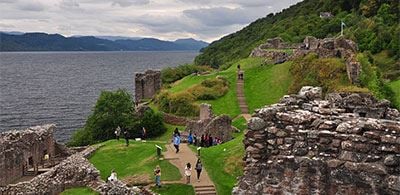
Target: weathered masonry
345, 144
24, 153
147, 84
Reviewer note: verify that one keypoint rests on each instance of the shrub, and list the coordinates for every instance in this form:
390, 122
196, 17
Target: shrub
182, 104
210, 89
329, 73
153, 122
172, 74
115, 109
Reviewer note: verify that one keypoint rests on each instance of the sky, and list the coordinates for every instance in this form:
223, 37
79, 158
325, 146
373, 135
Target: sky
206, 20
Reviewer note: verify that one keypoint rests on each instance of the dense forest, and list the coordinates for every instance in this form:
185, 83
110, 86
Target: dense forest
373, 24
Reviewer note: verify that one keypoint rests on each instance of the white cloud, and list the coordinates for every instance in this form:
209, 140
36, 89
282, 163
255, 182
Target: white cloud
166, 19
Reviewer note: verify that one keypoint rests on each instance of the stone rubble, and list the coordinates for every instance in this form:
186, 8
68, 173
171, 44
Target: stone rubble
345, 144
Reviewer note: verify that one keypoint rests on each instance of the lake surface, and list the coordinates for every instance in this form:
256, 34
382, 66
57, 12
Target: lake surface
62, 87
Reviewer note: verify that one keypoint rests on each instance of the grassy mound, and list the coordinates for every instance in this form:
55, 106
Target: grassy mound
173, 189
133, 164
79, 191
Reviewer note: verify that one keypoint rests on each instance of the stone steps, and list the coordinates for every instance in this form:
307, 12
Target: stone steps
205, 190
241, 98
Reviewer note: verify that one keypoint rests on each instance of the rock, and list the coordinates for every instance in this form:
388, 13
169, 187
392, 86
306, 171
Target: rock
311, 93
391, 160
256, 123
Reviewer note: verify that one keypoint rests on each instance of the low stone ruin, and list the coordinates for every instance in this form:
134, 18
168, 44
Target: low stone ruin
147, 84
217, 126
22, 153
277, 51
345, 144
74, 171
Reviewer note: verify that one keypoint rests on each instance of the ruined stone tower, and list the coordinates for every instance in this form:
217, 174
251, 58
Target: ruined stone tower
147, 84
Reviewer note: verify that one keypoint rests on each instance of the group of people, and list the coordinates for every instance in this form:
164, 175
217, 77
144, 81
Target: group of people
205, 140
118, 131
188, 170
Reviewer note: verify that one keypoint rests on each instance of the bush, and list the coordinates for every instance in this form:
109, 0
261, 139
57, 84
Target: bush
329, 73
153, 122
210, 89
181, 104
172, 74
115, 109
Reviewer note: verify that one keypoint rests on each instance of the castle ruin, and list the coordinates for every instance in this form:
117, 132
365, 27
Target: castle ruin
278, 51
147, 84
27, 152
345, 144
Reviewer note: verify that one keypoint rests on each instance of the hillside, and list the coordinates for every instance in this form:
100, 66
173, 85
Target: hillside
373, 24
56, 42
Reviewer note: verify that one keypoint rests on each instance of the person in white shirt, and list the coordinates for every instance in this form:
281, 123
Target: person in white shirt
113, 176
188, 172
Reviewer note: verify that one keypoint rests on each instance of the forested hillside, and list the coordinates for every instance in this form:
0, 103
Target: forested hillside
373, 24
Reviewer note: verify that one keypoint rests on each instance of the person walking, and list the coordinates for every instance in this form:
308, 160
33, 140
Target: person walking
190, 138
157, 174
144, 133
210, 141
188, 172
126, 135
199, 167
117, 132
202, 140
177, 141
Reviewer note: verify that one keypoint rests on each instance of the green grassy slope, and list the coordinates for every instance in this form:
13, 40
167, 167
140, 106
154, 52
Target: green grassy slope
395, 86
372, 24
79, 191
138, 159
266, 84
174, 189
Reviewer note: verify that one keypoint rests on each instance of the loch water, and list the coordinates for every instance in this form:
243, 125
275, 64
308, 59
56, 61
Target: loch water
62, 87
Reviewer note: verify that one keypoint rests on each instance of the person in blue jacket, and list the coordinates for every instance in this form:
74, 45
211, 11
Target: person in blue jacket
177, 141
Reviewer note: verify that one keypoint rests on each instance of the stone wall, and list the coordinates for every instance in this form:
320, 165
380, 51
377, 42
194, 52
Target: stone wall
23, 150
74, 171
147, 84
339, 47
305, 145
220, 126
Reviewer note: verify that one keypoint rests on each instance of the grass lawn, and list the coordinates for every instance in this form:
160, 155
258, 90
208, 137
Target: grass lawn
79, 191
266, 84
395, 86
227, 104
224, 163
133, 164
241, 124
174, 189
167, 136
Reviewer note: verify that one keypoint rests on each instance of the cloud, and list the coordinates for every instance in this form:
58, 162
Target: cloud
126, 3
165, 19
69, 4
221, 16
30, 6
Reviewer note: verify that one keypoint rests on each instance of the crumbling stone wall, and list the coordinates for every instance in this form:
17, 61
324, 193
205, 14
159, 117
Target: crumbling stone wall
74, 171
324, 48
219, 126
147, 84
21, 150
305, 145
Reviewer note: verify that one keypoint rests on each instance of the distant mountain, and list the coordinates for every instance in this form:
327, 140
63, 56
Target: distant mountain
56, 42
113, 38
191, 43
